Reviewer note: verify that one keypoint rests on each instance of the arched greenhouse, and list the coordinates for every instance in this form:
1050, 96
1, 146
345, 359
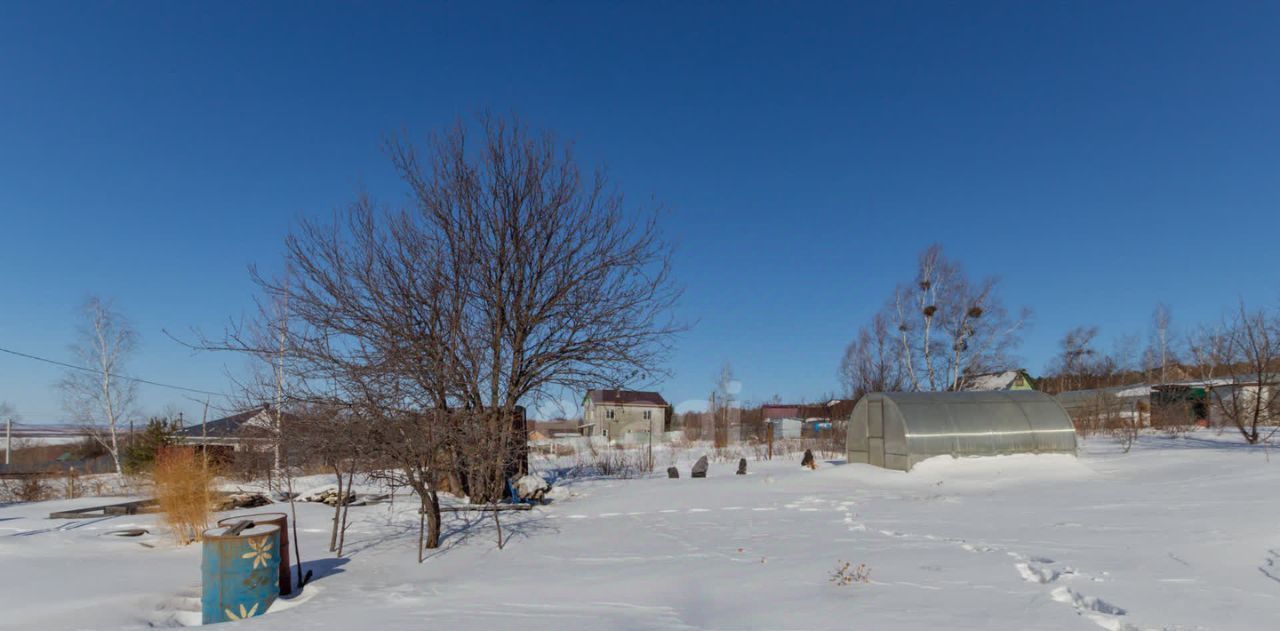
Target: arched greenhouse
897, 430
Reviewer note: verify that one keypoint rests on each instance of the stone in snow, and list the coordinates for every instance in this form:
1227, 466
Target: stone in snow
742, 466
673, 472
699, 468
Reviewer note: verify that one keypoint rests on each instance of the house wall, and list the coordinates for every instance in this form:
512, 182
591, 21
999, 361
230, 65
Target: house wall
628, 421
1243, 396
784, 428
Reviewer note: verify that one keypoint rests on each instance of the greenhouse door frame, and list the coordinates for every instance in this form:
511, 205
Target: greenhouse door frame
875, 432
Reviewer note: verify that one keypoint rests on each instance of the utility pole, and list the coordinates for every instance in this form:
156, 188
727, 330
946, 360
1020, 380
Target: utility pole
204, 436
8, 438
768, 430
650, 441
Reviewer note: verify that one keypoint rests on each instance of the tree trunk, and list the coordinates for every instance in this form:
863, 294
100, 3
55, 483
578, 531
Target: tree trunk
346, 507
337, 512
115, 451
432, 506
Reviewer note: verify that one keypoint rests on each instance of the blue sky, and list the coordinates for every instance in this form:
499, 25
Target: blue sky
1098, 157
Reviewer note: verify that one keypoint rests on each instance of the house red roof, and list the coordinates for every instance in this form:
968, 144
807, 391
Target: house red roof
624, 397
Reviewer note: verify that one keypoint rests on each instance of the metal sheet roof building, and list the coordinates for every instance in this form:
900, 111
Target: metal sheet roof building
897, 430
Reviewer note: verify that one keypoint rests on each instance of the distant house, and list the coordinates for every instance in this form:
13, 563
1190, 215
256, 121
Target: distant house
624, 415
548, 430
1184, 401
796, 420
1090, 405
246, 431
1003, 380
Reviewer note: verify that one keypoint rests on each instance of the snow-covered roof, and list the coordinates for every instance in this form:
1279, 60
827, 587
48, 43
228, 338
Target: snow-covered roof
991, 381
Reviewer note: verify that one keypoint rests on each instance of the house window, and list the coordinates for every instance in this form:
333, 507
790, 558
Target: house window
608, 413
648, 415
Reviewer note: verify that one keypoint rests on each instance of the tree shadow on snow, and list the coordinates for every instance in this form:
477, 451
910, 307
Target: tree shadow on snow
456, 529
462, 528
1223, 443
322, 568
1271, 565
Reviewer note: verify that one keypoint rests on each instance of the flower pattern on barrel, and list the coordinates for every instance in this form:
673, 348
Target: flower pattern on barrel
260, 551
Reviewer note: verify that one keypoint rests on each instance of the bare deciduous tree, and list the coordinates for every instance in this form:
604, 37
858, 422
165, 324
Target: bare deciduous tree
509, 277
99, 397
1078, 364
722, 410
1239, 361
871, 362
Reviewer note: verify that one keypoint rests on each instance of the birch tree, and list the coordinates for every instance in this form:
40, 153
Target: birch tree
100, 396
949, 326
1159, 352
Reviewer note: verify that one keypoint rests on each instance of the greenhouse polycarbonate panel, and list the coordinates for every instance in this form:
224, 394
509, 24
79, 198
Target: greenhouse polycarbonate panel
895, 433
875, 418
897, 461
856, 440
1050, 435
927, 428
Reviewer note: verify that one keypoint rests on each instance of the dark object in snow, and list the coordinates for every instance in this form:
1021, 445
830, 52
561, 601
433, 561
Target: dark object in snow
482, 508
123, 508
329, 497
373, 499
128, 532
673, 472
808, 460
235, 528
699, 468
742, 466
242, 500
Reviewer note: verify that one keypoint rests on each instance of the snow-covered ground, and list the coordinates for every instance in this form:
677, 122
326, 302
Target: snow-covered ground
1178, 534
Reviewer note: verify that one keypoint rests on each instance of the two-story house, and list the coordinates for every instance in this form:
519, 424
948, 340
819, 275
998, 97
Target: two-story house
624, 415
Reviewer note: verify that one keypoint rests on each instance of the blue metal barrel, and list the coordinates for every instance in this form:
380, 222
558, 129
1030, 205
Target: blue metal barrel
275, 519
240, 572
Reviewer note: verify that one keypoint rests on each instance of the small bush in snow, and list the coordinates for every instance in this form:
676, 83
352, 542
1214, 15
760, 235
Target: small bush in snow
847, 574
183, 489
29, 489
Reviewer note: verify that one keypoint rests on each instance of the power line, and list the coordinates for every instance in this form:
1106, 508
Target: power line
99, 372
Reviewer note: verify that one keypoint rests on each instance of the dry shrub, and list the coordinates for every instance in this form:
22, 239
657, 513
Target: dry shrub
184, 484
610, 461
845, 574
24, 489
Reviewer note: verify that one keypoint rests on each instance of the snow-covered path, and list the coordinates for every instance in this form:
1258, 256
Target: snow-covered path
1179, 534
